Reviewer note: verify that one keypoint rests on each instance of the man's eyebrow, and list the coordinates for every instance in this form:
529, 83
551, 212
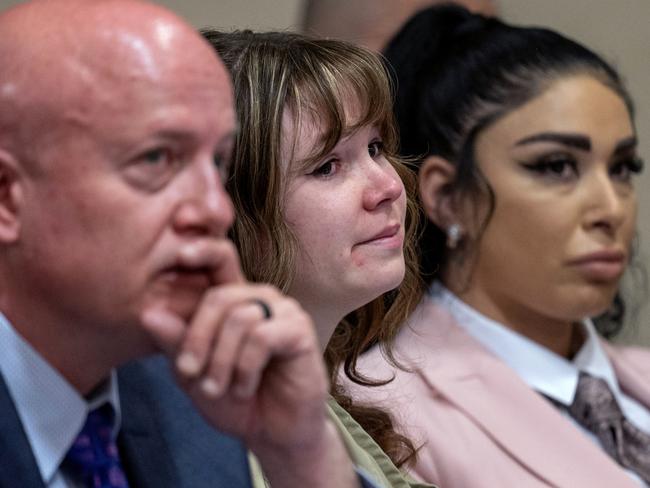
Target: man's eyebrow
173, 135
228, 139
572, 140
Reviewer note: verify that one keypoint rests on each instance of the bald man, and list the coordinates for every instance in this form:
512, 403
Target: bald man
116, 126
372, 23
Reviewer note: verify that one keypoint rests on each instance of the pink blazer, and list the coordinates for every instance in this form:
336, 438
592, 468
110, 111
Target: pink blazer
478, 423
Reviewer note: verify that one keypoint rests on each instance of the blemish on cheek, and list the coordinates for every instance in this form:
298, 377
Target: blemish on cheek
358, 261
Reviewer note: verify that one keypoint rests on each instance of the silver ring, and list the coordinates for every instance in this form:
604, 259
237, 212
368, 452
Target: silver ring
266, 309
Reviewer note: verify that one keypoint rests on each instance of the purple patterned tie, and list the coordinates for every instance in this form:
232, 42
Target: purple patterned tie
595, 408
93, 458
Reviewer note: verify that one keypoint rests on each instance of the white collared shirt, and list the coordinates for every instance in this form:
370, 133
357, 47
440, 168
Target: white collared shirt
544, 371
51, 410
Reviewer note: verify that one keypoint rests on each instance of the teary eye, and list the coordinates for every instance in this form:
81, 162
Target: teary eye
328, 168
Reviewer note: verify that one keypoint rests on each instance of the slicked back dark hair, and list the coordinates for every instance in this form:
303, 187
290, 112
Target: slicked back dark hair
458, 72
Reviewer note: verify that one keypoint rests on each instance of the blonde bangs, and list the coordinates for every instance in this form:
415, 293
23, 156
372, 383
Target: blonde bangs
331, 79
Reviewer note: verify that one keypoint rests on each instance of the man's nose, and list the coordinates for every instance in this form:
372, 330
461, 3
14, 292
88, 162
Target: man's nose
206, 208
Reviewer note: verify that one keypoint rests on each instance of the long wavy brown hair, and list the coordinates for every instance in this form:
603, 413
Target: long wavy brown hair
276, 71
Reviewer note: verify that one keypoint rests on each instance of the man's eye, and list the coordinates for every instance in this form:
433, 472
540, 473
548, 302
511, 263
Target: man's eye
152, 169
218, 160
157, 156
222, 164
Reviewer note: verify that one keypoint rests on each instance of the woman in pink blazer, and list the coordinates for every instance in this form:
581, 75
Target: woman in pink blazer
529, 153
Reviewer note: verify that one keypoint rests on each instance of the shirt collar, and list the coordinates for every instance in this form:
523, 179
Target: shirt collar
546, 372
51, 410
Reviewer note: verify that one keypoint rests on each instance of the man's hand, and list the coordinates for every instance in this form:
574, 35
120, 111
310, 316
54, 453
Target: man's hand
259, 378
250, 376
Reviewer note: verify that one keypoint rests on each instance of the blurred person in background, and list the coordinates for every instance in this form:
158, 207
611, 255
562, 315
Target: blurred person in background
372, 23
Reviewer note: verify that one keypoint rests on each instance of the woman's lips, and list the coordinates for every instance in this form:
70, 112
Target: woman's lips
389, 237
601, 266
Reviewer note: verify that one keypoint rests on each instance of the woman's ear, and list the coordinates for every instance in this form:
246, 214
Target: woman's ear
434, 180
11, 195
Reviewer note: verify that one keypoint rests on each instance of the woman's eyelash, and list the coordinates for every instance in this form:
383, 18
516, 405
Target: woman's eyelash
633, 165
566, 167
324, 169
556, 165
377, 147
331, 166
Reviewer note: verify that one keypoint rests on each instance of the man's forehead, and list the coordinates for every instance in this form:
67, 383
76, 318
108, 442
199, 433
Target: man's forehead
113, 38
160, 115
155, 54
116, 62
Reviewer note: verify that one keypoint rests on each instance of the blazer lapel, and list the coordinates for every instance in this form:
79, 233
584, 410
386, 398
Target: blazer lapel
144, 453
519, 420
165, 442
17, 465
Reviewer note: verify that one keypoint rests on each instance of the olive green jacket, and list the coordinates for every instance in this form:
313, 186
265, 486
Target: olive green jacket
366, 455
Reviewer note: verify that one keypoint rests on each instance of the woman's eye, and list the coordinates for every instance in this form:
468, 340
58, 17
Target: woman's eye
560, 168
326, 169
623, 170
375, 148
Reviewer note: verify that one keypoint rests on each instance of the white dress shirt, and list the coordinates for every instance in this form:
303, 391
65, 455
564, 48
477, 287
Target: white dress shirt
51, 410
543, 370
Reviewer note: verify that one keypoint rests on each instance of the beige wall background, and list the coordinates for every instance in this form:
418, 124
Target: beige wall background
617, 29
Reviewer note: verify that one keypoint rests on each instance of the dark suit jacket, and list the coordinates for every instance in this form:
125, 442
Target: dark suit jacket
163, 441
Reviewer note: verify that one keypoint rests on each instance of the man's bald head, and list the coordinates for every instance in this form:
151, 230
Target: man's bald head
112, 116
62, 59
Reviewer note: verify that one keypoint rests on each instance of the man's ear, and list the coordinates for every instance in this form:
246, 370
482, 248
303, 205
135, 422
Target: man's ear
11, 196
434, 180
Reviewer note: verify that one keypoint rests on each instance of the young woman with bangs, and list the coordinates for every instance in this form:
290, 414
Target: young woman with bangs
321, 207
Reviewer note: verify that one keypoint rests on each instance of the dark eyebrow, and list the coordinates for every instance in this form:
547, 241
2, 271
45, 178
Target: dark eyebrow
572, 140
626, 145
